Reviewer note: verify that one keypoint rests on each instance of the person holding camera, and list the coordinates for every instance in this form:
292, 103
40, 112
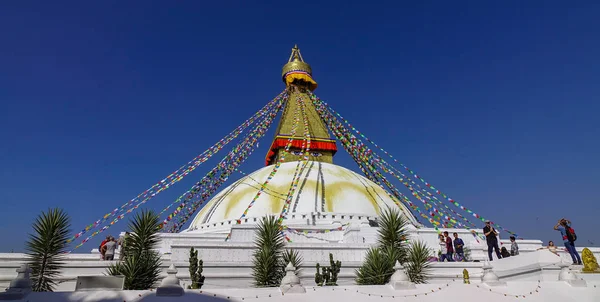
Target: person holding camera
569, 237
491, 239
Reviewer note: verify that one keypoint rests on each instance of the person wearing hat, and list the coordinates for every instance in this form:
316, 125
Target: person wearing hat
491, 239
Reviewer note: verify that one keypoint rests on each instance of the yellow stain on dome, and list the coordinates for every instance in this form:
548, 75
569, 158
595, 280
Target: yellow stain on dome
342, 187
334, 193
244, 193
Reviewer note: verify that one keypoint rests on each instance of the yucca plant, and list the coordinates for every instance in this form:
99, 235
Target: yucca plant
143, 232
392, 229
267, 261
141, 266
376, 269
141, 270
392, 246
417, 265
294, 257
46, 248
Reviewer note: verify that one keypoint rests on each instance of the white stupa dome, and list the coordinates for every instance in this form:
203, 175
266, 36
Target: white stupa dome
323, 188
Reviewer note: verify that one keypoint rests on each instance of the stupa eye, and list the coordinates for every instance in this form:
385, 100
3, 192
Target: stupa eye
296, 152
316, 154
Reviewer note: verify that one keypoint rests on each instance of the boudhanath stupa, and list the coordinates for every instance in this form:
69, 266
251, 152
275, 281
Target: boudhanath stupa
323, 207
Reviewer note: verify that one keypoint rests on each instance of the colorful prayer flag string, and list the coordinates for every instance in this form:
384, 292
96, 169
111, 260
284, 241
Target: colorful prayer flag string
171, 179
417, 176
274, 171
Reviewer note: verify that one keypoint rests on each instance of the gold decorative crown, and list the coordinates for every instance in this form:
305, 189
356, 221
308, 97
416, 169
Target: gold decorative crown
296, 63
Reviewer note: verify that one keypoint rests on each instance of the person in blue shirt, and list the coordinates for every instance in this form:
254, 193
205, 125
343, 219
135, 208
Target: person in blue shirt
459, 246
562, 226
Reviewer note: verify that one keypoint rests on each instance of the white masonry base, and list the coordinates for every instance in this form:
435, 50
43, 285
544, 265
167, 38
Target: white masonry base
228, 264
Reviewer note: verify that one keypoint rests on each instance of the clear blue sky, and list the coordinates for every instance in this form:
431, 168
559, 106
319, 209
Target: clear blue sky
496, 104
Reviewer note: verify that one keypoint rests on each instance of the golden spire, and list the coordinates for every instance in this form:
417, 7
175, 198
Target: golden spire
297, 69
297, 73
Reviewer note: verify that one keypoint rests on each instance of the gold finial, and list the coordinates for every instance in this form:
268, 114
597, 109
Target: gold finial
296, 63
296, 55
297, 69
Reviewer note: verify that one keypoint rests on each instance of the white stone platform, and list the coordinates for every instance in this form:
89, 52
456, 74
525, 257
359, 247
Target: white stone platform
228, 264
545, 291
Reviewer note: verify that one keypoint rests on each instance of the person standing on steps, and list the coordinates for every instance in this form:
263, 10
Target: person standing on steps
449, 247
491, 239
109, 249
459, 246
569, 237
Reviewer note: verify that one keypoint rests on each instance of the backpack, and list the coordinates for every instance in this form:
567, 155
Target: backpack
571, 236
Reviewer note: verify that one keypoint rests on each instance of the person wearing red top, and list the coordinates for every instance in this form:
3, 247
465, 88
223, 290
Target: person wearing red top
100, 248
449, 248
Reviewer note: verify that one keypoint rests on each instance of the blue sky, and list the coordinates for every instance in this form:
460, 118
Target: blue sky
494, 104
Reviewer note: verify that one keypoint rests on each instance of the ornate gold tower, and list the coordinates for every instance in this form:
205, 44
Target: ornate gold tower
297, 75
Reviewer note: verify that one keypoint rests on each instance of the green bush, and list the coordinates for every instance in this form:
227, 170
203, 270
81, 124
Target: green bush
46, 248
270, 258
393, 246
141, 266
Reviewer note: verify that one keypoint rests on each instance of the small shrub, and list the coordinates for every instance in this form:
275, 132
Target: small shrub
46, 248
141, 266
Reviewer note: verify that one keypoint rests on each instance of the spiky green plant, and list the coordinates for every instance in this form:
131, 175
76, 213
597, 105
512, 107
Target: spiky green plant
417, 265
267, 262
376, 269
293, 256
143, 232
141, 267
46, 248
141, 270
392, 246
392, 233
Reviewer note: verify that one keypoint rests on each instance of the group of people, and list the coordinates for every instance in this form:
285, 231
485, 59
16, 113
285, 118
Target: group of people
108, 247
563, 226
451, 250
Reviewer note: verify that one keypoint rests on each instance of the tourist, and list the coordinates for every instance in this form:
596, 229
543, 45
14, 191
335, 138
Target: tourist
101, 247
514, 247
459, 248
443, 248
109, 249
449, 247
568, 236
552, 247
491, 239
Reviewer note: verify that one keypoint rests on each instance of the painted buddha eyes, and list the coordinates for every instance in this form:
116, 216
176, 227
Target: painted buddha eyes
300, 153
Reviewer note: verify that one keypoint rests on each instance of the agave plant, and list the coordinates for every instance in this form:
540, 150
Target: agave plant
46, 248
392, 246
141, 266
267, 260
